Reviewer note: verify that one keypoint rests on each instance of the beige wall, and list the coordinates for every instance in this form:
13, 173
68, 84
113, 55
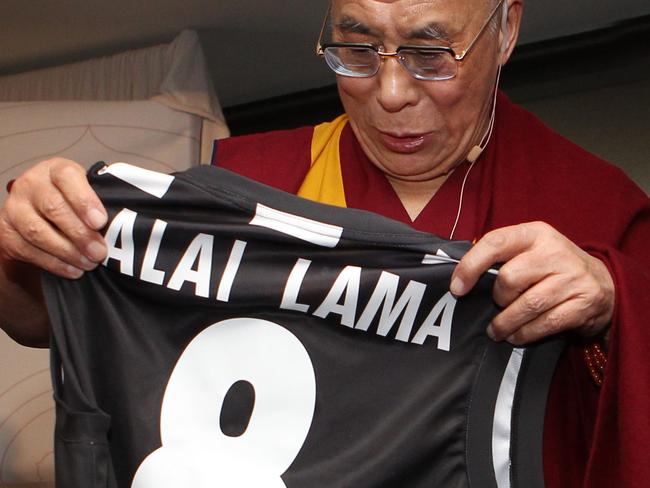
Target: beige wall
612, 122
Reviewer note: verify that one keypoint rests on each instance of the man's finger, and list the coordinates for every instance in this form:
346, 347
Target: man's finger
22, 250
565, 316
534, 302
495, 247
55, 209
72, 182
519, 274
30, 236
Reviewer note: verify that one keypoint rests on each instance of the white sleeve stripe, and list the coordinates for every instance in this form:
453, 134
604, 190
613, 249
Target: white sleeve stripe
439, 258
442, 257
151, 182
501, 426
318, 233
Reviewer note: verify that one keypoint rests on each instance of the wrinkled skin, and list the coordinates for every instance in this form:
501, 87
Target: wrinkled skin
447, 117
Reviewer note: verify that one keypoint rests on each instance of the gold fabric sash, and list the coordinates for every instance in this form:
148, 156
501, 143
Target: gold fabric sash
324, 181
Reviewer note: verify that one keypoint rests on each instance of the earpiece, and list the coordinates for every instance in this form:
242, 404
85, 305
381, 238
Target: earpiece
477, 150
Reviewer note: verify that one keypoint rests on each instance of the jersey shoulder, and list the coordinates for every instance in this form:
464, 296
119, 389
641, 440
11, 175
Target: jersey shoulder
279, 158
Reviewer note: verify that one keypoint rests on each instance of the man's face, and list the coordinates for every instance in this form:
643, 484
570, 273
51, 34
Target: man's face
416, 130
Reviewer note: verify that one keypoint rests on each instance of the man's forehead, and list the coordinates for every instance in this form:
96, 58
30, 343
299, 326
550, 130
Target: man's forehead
441, 19
408, 4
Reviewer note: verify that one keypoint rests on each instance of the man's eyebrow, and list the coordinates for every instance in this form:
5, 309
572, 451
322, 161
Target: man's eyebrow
431, 31
353, 26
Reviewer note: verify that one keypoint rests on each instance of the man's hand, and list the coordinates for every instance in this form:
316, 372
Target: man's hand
546, 285
51, 218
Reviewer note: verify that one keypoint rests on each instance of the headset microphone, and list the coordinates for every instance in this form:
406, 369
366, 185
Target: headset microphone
477, 150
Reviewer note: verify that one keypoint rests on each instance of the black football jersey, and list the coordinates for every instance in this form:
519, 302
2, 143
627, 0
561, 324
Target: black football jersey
239, 336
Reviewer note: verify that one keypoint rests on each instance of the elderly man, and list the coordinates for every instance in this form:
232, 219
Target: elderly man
427, 139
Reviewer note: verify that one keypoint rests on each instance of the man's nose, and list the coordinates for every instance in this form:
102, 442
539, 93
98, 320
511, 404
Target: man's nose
397, 88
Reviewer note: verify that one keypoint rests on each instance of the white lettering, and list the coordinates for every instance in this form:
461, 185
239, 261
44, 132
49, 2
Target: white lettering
122, 227
348, 281
292, 288
386, 291
445, 308
232, 266
201, 248
148, 272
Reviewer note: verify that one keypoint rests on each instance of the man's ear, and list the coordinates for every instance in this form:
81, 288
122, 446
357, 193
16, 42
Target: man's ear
510, 24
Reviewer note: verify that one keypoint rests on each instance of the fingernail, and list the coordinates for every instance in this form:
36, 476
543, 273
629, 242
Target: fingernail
457, 287
490, 332
95, 251
74, 273
96, 218
87, 264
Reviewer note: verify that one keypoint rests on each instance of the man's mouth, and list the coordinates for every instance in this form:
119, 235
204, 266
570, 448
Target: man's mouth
401, 142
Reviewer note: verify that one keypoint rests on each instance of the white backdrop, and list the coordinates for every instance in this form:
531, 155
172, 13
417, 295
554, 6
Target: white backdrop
171, 130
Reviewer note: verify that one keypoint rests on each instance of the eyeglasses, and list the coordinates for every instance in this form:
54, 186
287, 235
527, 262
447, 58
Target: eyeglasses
361, 60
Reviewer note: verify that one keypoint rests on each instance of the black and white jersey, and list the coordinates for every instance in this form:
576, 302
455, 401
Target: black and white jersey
238, 336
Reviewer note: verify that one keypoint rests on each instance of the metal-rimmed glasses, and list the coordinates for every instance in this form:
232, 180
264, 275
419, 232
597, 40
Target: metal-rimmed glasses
362, 60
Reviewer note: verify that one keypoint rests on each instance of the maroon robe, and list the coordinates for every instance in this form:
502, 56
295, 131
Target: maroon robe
594, 437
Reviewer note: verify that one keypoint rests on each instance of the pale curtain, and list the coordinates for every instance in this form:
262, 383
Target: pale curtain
174, 74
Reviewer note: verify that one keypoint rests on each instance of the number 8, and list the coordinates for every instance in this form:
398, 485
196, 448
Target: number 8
195, 452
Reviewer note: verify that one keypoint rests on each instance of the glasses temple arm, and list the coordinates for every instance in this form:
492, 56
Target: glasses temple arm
319, 47
459, 57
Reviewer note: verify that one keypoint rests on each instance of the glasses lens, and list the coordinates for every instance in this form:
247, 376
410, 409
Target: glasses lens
428, 64
358, 62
